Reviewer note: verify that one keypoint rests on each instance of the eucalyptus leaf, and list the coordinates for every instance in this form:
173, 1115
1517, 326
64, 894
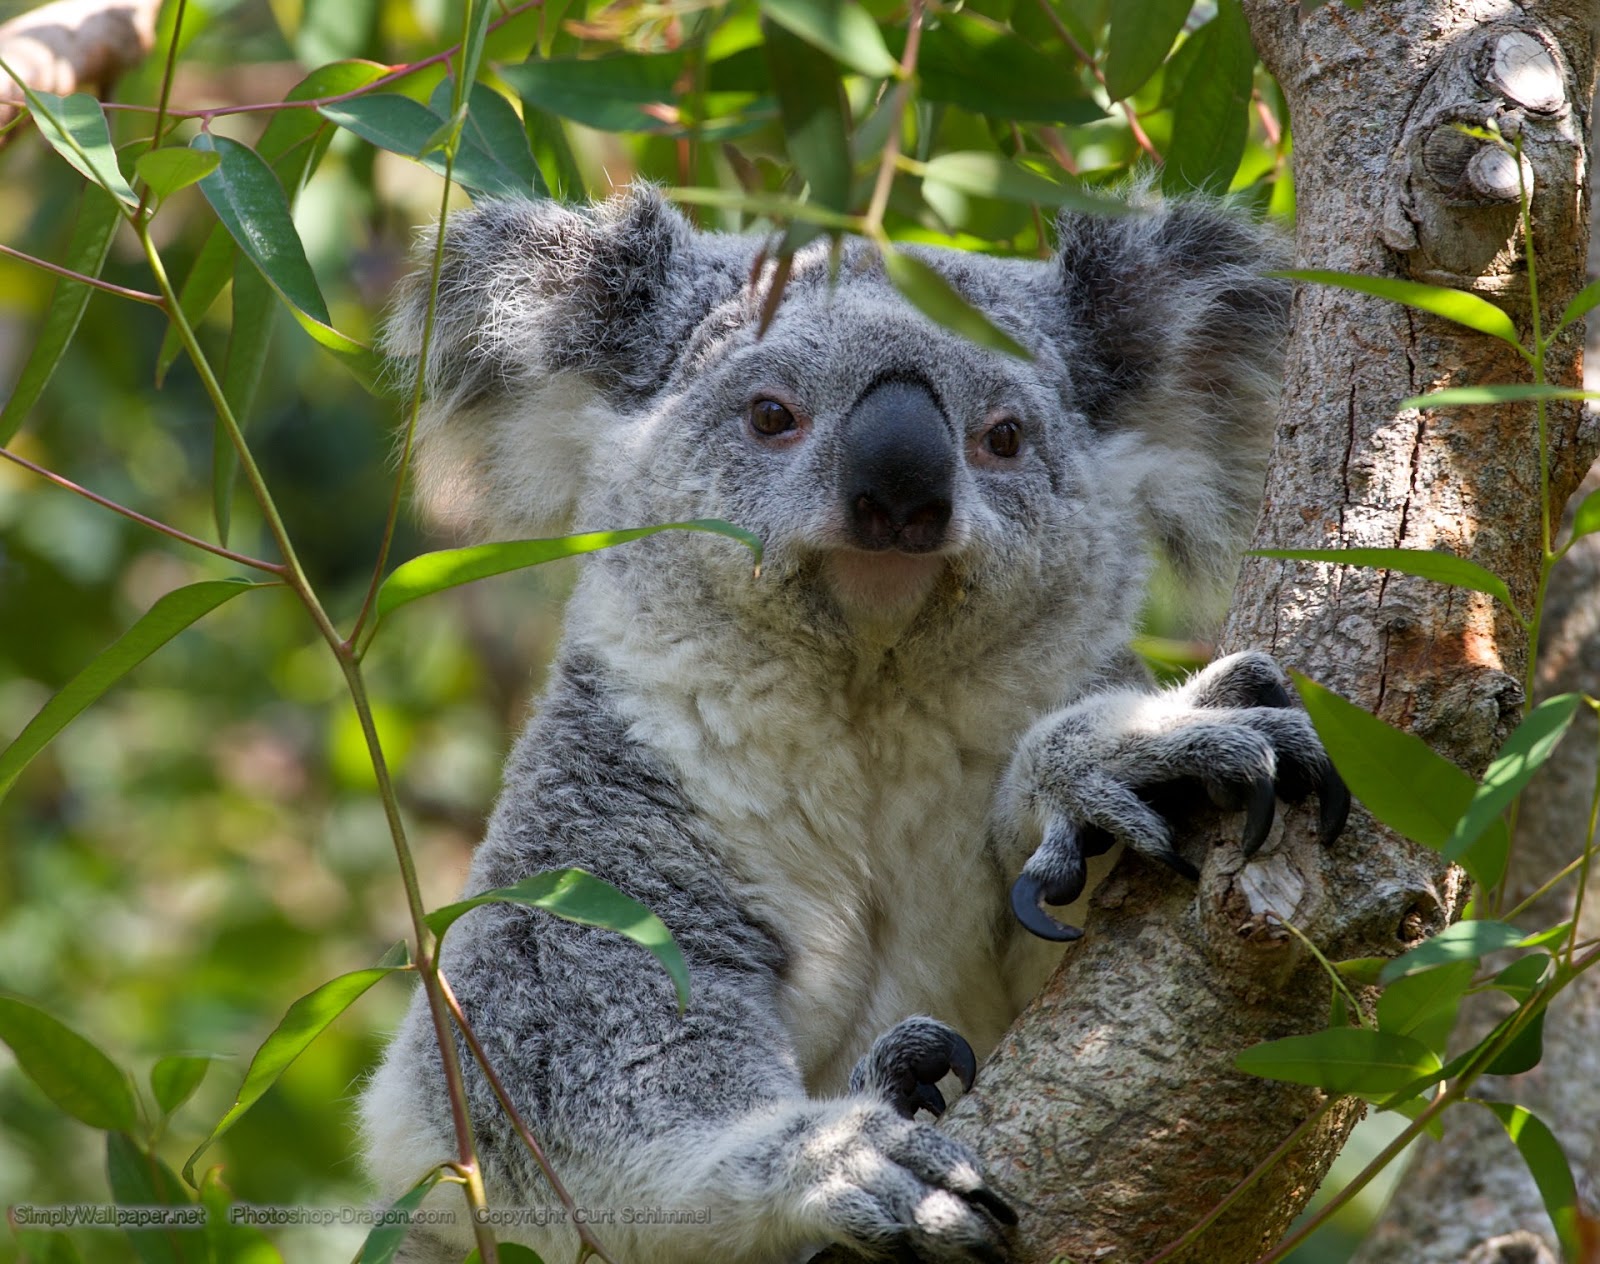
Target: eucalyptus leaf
1211, 119
580, 897
68, 1069
139, 1178
1531, 743
175, 1077
1424, 1005
1586, 520
98, 217
1142, 32
1401, 780
449, 568
304, 1021
1551, 1173
1525, 1051
601, 92
840, 28
979, 65
815, 114
938, 300
1434, 564
173, 168
1456, 305
170, 615
1465, 941
1342, 1060
1504, 393
1583, 302
992, 175
386, 1236
75, 127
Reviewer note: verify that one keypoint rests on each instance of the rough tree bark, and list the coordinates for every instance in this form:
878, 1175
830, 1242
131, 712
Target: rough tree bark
1469, 1198
1111, 1113
73, 44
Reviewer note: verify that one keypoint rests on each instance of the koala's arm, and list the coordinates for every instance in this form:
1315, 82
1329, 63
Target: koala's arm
1112, 768
703, 1114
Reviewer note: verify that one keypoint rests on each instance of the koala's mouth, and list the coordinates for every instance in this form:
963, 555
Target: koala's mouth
882, 582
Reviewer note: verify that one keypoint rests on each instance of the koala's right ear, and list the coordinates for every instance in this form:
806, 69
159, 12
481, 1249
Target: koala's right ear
552, 327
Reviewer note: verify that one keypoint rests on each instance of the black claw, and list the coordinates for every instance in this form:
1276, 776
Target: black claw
963, 1061
1258, 824
1334, 797
1095, 841
927, 1097
1179, 865
1067, 873
991, 1202
1025, 896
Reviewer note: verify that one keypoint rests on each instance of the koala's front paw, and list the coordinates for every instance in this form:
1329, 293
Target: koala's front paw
906, 1063
1114, 768
895, 1188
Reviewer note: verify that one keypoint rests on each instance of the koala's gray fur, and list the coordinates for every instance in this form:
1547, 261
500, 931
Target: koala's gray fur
825, 778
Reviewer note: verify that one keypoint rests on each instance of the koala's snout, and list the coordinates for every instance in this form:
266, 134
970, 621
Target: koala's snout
898, 468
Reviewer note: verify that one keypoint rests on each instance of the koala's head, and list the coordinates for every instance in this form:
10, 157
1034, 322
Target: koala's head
604, 368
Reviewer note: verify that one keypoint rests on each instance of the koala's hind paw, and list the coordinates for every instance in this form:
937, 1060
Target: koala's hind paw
1119, 767
906, 1063
901, 1190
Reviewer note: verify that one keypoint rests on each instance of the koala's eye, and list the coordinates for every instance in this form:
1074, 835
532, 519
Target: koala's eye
1004, 438
769, 417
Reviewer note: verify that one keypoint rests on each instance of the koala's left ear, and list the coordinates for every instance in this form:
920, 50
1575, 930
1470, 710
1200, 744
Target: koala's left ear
1174, 336
552, 326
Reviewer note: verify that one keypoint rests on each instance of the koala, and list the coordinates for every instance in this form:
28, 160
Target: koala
849, 783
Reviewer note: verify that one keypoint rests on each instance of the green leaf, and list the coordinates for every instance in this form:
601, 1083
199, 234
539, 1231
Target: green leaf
1548, 1164
1586, 521
139, 1178
600, 92
168, 170
1523, 976
409, 128
98, 217
46, 1246
987, 174
580, 897
466, 71
1506, 393
1412, 1108
66, 1068
303, 1022
1142, 31
937, 299
75, 128
1457, 305
1465, 941
232, 1243
1424, 1005
1531, 743
1211, 118
390, 1231
815, 115
448, 568
493, 128
969, 61
175, 1077
1525, 1051
770, 205
840, 28
249, 339
1434, 564
1362, 970
252, 205
1342, 1060
1585, 301
293, 143
170, 615
1400, 779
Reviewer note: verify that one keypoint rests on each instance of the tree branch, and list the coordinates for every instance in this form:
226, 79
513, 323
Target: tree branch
74, 44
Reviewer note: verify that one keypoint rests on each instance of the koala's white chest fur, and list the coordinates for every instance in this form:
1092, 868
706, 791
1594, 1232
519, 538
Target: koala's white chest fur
854, 814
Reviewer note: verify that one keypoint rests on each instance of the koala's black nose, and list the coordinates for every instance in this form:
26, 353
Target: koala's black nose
899, 466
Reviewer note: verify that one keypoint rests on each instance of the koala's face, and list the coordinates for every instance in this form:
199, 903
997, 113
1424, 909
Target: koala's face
894, 471
609, 367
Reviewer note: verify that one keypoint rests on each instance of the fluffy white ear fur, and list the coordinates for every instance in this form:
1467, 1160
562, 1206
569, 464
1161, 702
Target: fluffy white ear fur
513, 466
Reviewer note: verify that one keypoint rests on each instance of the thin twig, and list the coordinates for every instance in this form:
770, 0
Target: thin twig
1082, 54
519, 1123
316, 103
133, 515
891, 149
121, 291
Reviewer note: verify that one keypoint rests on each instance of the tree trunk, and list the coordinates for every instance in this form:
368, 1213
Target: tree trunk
1111, 1112
1470, 1197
